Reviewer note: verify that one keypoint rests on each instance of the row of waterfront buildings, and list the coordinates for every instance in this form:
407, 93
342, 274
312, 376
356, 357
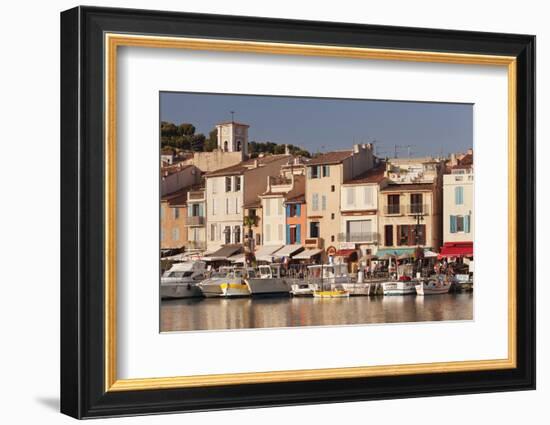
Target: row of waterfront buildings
344, 204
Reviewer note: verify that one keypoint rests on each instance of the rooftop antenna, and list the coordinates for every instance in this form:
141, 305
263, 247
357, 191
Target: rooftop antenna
232, 116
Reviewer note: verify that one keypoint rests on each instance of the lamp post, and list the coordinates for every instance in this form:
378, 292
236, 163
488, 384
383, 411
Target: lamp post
419, 218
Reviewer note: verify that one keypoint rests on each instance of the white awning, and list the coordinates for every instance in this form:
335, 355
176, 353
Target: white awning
265, 252
307, 254
288, 250
238, 258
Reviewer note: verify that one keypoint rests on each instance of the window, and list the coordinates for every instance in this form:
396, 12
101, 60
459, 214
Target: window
279, 202
350, 198
291, 210
225, 146
459, 195
416, 203
332, 216
388, 235
227, 205
176, 213
175, 234
237, 234
239, 145
314, 229
313, 172
332, 238
228, 184
267, 207
213, 206
227, 234
236, 206
323, 202
332, 188
280, 232
267, 235
214, 185
367, 195
326, 171
315, 202
393, 204
358, 230
212, 232
411, 234
460, 224
237, 183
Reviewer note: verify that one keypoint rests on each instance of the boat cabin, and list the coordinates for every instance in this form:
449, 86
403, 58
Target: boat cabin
272, 271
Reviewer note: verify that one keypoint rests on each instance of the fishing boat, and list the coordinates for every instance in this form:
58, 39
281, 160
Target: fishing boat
182, 279
210, 287
302, 289
403, 286
268, 281
358, 289
234, 285
462, 283
329, 280
433, 287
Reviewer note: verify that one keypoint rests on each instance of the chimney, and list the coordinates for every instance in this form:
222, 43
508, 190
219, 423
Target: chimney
287, 150
356, 148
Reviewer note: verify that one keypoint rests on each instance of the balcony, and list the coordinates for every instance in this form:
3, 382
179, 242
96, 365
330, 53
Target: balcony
365, 237
196, 245
394, 209
413, 209
313, 243
196, 195
195, 220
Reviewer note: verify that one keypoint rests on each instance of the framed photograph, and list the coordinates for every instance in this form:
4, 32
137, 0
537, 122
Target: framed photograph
261, 212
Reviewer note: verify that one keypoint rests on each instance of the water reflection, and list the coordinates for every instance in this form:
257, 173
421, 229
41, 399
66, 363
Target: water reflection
243, 313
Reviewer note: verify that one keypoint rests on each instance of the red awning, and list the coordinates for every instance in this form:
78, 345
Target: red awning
345, 252
457, 249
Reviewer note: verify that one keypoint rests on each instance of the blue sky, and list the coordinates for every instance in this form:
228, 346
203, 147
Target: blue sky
320, 124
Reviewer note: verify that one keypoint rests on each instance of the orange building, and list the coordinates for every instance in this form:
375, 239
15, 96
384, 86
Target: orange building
295, 212
173, 219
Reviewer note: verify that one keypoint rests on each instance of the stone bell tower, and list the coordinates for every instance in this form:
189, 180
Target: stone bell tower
233, 137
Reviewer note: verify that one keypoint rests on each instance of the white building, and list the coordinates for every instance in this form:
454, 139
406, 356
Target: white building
458, 205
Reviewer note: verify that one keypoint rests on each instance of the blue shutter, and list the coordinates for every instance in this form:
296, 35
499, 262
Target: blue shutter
298, 210
287, 234
466, 224
298, 237
459, 195
288, 210
319, 171
201, 210
328, 171
453, 224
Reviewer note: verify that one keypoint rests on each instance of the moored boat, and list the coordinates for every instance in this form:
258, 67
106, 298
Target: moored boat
433, 287
268, 281
181, 280
333, 293
399, 287
356, 289
211, 288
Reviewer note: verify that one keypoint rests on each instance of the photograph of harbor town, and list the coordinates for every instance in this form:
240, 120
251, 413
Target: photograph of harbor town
282, 212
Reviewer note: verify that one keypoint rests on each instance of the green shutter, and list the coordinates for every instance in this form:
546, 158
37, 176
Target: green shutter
298, 238
453, 224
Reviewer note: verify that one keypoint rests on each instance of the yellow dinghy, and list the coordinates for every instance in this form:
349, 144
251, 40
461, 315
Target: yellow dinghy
337, 293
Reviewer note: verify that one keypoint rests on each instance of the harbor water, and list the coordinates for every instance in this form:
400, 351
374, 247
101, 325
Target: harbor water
200, 314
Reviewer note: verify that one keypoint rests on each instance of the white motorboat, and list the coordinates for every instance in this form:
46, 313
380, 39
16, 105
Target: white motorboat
329, 280
356, 289
399, 287
182, 279
433, 287
302, 289
268, 281
333, 293
210, 287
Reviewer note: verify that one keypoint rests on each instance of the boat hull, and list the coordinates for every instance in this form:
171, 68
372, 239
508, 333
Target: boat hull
233, 290
259, 286
179, 290
331, 294
432, 289
399, 288
357, 289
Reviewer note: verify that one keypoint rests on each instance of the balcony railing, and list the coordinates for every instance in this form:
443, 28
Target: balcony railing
417, 209
394, 209
313, 243
196, 245
196, 195
195, 220
358, 237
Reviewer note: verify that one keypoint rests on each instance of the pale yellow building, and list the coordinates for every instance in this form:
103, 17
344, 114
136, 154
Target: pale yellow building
326, 174
458, 204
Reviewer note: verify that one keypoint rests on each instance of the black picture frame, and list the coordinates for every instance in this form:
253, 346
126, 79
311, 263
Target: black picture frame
83, 392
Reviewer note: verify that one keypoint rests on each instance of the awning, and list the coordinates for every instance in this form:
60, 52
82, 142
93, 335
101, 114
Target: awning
224, 252
457, 249
237, 258
345, 252
396, 252
288, 250
265, 252
307, 254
